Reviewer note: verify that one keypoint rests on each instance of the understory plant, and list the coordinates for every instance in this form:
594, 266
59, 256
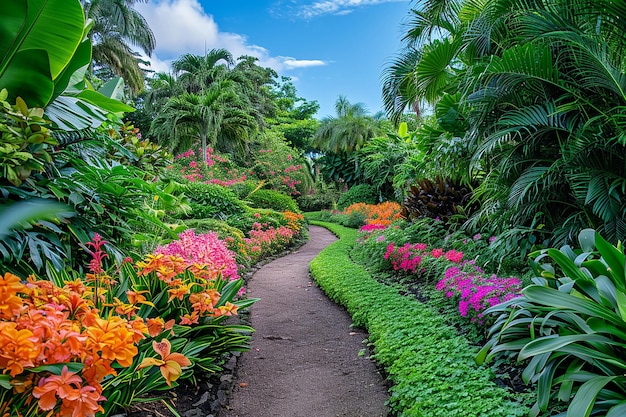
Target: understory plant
95, 343
568, 329
431, 367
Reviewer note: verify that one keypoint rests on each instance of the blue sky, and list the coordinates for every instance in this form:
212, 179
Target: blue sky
329, 47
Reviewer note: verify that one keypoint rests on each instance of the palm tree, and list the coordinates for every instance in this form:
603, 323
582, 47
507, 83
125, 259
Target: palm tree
348, 131
197, 72
161, 87
117, 27
215, 117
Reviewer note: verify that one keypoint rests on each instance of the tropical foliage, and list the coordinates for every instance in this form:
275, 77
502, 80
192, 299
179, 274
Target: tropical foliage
530, 95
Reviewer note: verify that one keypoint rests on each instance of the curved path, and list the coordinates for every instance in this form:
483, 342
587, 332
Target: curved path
306, 360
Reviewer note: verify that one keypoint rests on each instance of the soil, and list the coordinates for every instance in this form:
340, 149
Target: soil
307, 360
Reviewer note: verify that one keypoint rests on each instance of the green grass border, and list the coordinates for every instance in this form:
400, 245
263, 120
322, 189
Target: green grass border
431, 367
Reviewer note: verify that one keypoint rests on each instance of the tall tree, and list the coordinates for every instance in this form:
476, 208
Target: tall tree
350, 129
216, 116
197, 72
117, 28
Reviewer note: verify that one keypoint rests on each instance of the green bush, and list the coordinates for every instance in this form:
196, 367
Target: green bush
244, 189
432, 368
318, 201
362, 193
212, 200
270, 199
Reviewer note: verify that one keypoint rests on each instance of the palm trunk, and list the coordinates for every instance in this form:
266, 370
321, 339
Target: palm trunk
203, 138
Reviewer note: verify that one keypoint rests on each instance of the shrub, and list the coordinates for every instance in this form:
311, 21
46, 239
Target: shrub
205, 249
382, 213
270, 199
75, 346
439, 199
432, 368
212, 200
476, 291
362, 193
229, 234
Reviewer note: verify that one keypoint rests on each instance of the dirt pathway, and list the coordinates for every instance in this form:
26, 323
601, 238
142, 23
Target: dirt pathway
305, 359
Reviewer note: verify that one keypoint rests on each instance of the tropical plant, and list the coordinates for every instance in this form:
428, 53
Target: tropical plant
527, 88
361, 193
216, 116
348, 131
116, 26
439, 199
46, 67
568, 328
196, 72
270, 199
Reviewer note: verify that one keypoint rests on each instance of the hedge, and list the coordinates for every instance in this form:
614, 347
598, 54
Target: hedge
431, 366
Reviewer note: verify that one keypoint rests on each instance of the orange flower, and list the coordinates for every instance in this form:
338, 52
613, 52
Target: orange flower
228, 309
10, 302
157, 325
189, 319
17, 348
137, 297
139, 329
124, 309
112, 339
205, 301
83, 402
170, 363
62, 386
96, 369
179, 292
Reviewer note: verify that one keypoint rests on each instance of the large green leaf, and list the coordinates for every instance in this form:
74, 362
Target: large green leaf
29, 77
105, 103
556, 299
615, 259
553, 343
114, 88
75, 70
54, 27
585, 398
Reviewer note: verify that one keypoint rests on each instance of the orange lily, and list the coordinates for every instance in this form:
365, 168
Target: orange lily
10, 302
62, 385
229, 309
170, 363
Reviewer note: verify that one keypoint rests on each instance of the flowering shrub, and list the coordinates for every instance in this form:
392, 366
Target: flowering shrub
218, 169
409, 256
381, 214
76, 347
265, 240
281, 170
206, 250
368, 228
475, 290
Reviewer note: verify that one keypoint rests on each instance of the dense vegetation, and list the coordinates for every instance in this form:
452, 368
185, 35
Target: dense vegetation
131, 204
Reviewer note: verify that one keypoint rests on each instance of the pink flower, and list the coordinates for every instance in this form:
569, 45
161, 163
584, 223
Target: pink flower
206, 250
437, 253
454, 256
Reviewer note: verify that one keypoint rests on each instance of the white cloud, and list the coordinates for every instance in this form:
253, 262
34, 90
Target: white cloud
338, 7
291, 63
182, 26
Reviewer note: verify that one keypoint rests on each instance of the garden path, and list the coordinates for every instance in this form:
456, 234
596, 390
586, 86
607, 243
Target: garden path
306, 359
